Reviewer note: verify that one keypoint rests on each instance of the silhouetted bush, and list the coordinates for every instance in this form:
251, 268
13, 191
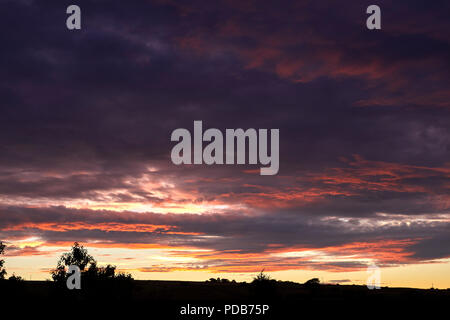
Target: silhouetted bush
261, 277
314, 282
15, 278
219, 280
263, 286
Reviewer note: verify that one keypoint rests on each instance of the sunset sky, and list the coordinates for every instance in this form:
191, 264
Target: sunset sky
364, 117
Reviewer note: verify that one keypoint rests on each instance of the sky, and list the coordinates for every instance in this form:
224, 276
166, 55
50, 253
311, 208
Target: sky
363, 115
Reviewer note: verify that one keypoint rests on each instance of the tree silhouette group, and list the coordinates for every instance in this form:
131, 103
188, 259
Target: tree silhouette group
80, 257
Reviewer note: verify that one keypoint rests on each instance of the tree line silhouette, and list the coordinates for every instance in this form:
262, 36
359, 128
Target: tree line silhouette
104, 288
92, 273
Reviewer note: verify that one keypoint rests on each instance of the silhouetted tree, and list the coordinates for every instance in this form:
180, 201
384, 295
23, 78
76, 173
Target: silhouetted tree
80, 257
312, 282
2, 269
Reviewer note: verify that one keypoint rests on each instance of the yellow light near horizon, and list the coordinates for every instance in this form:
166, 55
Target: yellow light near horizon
28, 242
422, 275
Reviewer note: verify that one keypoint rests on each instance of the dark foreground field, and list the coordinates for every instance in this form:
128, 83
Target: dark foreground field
168, 299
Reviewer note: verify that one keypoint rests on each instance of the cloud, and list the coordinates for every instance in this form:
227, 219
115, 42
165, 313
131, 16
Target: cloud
340, 281
14, 251
238, 242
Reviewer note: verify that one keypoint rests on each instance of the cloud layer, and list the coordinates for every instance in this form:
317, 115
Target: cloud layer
364, 124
